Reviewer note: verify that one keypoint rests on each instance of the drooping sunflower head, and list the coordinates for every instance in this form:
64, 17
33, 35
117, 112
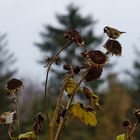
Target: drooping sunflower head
113, 47
74, 36
97, 57
136, 112
13, 86
93, 73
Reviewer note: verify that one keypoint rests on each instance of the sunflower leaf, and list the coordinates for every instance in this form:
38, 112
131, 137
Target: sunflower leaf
83, 113
120, 137
29, 136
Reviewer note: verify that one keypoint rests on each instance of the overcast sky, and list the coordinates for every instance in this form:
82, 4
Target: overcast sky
22, 20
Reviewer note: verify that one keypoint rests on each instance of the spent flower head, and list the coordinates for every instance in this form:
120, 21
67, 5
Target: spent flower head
137, 113
93, 73
38, 120
113, 47
125, 123
97, 57
14, 86
74, 36
127, 126
94, 57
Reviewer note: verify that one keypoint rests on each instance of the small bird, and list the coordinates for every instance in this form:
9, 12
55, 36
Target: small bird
112, 32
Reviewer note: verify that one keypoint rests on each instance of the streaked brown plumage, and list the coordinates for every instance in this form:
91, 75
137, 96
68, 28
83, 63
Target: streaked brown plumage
112, 32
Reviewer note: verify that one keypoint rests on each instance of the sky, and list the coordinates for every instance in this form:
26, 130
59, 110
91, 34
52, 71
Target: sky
23, 20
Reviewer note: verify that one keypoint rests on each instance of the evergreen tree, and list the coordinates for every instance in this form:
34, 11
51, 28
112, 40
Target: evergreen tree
6, 72
53, 38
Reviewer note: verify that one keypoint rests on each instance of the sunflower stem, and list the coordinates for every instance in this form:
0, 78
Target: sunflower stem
17, 111
62, 121
133, 130
17, 108
46, 81
52, 124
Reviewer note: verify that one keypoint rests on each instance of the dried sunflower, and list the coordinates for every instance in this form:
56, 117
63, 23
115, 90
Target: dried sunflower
137, 113
74, 36
113, 47
14, 86
97, 57
93, 73
127, 125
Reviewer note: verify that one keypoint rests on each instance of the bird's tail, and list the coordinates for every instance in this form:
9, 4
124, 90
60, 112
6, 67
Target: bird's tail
122, 32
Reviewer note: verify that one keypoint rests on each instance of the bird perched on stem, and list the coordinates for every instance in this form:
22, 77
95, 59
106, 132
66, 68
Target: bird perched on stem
112, 32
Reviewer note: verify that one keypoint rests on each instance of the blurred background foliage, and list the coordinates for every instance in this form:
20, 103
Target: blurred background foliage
117, 98
7, 70
53, 39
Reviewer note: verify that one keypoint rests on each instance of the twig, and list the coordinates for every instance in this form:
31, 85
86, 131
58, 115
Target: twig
46, 82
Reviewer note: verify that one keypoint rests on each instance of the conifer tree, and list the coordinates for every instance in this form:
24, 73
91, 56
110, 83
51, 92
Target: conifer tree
53, 37
6, 72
